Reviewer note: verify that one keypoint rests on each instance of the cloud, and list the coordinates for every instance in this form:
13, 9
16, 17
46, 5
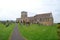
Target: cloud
11, 9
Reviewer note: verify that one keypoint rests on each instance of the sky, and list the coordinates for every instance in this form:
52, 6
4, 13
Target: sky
11, 9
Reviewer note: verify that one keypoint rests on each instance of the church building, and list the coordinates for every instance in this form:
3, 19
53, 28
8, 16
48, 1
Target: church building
44, 19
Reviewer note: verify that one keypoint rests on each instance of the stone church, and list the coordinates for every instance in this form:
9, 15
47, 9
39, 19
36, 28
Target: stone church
44, 19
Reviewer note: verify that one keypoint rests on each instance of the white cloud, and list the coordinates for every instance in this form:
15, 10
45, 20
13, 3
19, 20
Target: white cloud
10, 9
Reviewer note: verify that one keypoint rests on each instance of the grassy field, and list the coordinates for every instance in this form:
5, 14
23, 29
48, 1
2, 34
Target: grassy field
38, 32
5, 31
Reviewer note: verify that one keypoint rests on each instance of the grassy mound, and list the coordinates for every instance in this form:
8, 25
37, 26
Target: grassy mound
38, 32
5, 31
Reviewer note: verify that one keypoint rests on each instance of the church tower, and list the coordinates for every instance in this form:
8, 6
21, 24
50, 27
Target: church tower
23, 14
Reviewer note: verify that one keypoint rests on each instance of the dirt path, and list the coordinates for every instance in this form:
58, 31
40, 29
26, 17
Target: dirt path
16, 35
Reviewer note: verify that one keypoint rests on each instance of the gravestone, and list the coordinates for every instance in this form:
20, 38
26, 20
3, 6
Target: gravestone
58, 31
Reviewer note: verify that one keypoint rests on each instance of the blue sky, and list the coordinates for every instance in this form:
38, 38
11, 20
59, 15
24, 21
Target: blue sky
11, 9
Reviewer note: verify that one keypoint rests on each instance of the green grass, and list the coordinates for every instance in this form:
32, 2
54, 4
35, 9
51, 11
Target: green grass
5, 31
38, 32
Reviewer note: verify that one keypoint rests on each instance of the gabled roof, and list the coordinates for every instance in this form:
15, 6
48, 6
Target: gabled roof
31, 18
44, 15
